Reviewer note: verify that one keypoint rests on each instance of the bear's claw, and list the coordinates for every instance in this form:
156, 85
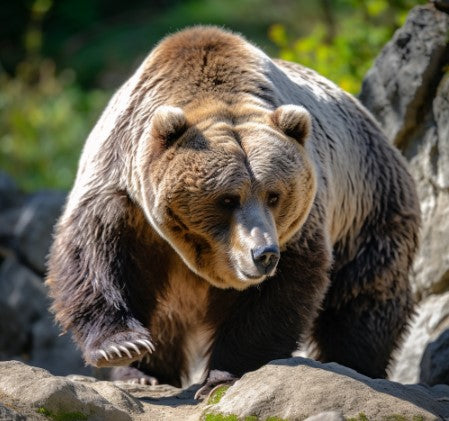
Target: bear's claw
103, 353
147, 344
132, 375
120, 349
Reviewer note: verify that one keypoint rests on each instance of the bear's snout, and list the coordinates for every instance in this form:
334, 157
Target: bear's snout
266, 258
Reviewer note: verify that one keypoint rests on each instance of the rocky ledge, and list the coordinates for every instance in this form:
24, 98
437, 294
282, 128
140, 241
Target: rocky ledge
292, 389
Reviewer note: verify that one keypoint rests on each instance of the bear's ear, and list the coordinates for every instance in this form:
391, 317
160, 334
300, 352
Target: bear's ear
294, 121
168, 124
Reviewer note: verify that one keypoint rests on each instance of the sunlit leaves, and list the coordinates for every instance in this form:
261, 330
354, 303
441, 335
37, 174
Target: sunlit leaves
43, 126
345, 53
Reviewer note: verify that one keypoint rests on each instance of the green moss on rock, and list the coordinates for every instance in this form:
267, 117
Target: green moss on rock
62, 416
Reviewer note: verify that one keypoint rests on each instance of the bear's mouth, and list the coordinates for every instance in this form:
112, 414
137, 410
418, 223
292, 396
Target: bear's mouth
247, 275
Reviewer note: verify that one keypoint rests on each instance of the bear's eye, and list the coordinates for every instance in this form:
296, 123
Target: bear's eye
273, 199
229, 202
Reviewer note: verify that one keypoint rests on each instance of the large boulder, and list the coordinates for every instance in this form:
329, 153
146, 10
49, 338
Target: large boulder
407, 90
33, 391
296, 388
405, 73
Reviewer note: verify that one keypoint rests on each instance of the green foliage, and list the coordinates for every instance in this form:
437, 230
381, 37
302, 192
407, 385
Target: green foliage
344, 44
43, 126
62, 416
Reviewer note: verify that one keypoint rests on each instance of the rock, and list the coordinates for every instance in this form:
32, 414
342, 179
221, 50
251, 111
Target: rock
27, 329
297, 388
9, 192
432, 318
10, 200
34, 227
13, 333
435, 361
404, 73
408, 93
32, 391
54, 352
8, 414
287, 389
23, 291
22, 386
429, 164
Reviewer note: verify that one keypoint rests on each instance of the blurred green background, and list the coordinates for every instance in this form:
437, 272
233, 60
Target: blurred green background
61, 60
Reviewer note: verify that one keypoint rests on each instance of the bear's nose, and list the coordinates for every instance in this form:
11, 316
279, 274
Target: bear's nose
265, 258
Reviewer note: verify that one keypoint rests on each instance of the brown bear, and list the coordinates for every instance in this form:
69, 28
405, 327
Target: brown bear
227, 209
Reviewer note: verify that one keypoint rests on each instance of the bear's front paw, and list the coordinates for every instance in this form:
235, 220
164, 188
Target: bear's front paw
120, 349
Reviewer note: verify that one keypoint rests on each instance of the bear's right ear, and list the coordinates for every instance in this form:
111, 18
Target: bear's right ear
168, 124
294, 121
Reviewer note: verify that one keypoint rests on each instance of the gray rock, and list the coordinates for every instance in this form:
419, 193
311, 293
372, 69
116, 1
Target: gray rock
27, 329
8, 414
435, 361
397, 87
13, 333
407, 92
9, 192
428, 153
54, 352
32, 388
26, 389
34, 227
432, 318
23, 291
297, 388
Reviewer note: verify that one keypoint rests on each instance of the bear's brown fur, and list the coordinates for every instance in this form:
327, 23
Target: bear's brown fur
228, 207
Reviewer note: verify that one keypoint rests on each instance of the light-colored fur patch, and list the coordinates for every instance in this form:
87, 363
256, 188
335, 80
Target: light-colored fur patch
182, 309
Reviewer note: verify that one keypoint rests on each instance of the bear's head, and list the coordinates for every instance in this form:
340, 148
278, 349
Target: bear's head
227, 187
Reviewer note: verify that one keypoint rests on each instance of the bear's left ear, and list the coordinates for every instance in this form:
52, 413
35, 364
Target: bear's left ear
294, 121
168, 124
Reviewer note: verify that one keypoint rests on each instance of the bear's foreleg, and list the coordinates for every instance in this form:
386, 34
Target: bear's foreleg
99, 278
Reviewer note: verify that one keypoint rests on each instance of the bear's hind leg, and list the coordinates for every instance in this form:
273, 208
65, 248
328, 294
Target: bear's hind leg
363, 333
132, 375
367, 307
